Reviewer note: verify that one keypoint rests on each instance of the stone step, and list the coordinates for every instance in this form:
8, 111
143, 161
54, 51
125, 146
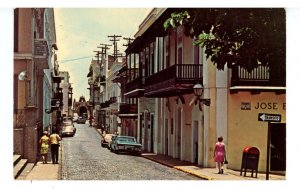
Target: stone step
26, 171
19, 167
17, 158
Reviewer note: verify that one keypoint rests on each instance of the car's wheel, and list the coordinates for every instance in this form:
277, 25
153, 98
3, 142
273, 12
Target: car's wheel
115, 150
137, 153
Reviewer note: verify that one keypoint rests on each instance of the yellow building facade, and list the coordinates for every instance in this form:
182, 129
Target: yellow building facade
245, 129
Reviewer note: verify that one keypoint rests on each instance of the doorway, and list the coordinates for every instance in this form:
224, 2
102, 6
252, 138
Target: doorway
196, 143
166, 136
278, 147
178, 134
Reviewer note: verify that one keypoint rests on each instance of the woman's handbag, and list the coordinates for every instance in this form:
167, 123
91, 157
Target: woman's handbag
225, 162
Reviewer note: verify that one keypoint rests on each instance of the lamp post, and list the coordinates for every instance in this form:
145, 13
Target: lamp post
70, 96
57, 104
58, 113
198, 91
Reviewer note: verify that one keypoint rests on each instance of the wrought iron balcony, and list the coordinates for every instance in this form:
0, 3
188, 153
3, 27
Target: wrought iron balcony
175, 80
134, 88
261, 76
128, 110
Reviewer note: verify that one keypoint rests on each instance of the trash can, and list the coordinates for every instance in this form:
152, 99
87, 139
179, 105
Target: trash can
250, 160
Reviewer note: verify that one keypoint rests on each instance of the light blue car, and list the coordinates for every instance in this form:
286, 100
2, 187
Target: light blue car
125, 144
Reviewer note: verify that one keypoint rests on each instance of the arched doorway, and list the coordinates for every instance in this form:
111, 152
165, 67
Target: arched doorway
82, 110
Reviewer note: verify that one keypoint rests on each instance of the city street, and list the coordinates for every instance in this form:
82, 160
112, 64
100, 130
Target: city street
83, 158
177, 84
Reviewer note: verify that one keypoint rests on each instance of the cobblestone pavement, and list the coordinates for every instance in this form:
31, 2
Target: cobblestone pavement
83, 158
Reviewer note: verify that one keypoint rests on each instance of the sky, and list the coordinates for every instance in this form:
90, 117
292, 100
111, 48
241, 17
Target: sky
79, 31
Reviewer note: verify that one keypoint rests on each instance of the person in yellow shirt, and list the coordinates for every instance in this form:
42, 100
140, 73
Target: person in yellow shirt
44, 141
54, 141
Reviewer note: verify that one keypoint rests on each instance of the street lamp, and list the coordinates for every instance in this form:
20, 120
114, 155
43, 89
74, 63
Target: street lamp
198, 91
57, 104
56, 107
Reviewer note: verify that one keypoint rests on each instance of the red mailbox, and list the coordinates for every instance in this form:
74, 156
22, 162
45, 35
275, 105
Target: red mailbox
250, 160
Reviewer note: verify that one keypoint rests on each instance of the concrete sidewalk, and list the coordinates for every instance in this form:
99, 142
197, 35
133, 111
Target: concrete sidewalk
206, 173
42, 171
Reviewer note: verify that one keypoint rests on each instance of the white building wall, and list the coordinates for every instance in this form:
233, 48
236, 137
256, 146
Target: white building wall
221, 103
50, 36
65, 90
47, 95
206, 121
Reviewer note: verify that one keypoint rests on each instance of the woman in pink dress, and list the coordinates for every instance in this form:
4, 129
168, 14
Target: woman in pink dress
220, 154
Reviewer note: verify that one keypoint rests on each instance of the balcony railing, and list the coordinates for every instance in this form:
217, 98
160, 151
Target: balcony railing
258, 76
167, 82
135, 85
128, 109
182, 73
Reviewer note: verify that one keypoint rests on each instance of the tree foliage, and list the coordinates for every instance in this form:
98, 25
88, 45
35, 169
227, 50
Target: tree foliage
244, 36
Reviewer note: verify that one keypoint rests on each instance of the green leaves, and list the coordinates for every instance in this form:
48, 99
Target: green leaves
241, 36
176, 20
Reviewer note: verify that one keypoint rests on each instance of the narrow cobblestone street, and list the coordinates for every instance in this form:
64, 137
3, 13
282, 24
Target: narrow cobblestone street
83, 158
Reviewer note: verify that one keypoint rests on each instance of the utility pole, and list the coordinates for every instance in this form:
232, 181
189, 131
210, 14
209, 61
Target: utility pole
104, 48
97, 56
114, 39
129, 40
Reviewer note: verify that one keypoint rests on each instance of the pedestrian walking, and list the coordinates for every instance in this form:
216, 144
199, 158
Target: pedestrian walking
54, 140
220, 154
44, 142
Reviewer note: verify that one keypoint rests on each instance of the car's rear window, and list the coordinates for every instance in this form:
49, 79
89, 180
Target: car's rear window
125, 139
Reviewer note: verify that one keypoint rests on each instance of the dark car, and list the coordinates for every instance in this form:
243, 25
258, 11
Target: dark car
125, 144
81, 120
106, 140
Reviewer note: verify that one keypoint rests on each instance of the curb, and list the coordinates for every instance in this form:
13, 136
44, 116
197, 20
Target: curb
195, 174
180, 169
60, 165
98, 132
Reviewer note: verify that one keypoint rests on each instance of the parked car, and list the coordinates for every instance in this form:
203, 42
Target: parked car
81, 120
67, 120
68, 130
112, 138
75, 117
126, 144
106, 140
85, 115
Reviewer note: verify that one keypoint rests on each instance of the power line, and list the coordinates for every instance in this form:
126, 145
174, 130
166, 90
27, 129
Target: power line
74, 59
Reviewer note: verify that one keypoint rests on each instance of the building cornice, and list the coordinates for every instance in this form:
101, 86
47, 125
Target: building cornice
22, 56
